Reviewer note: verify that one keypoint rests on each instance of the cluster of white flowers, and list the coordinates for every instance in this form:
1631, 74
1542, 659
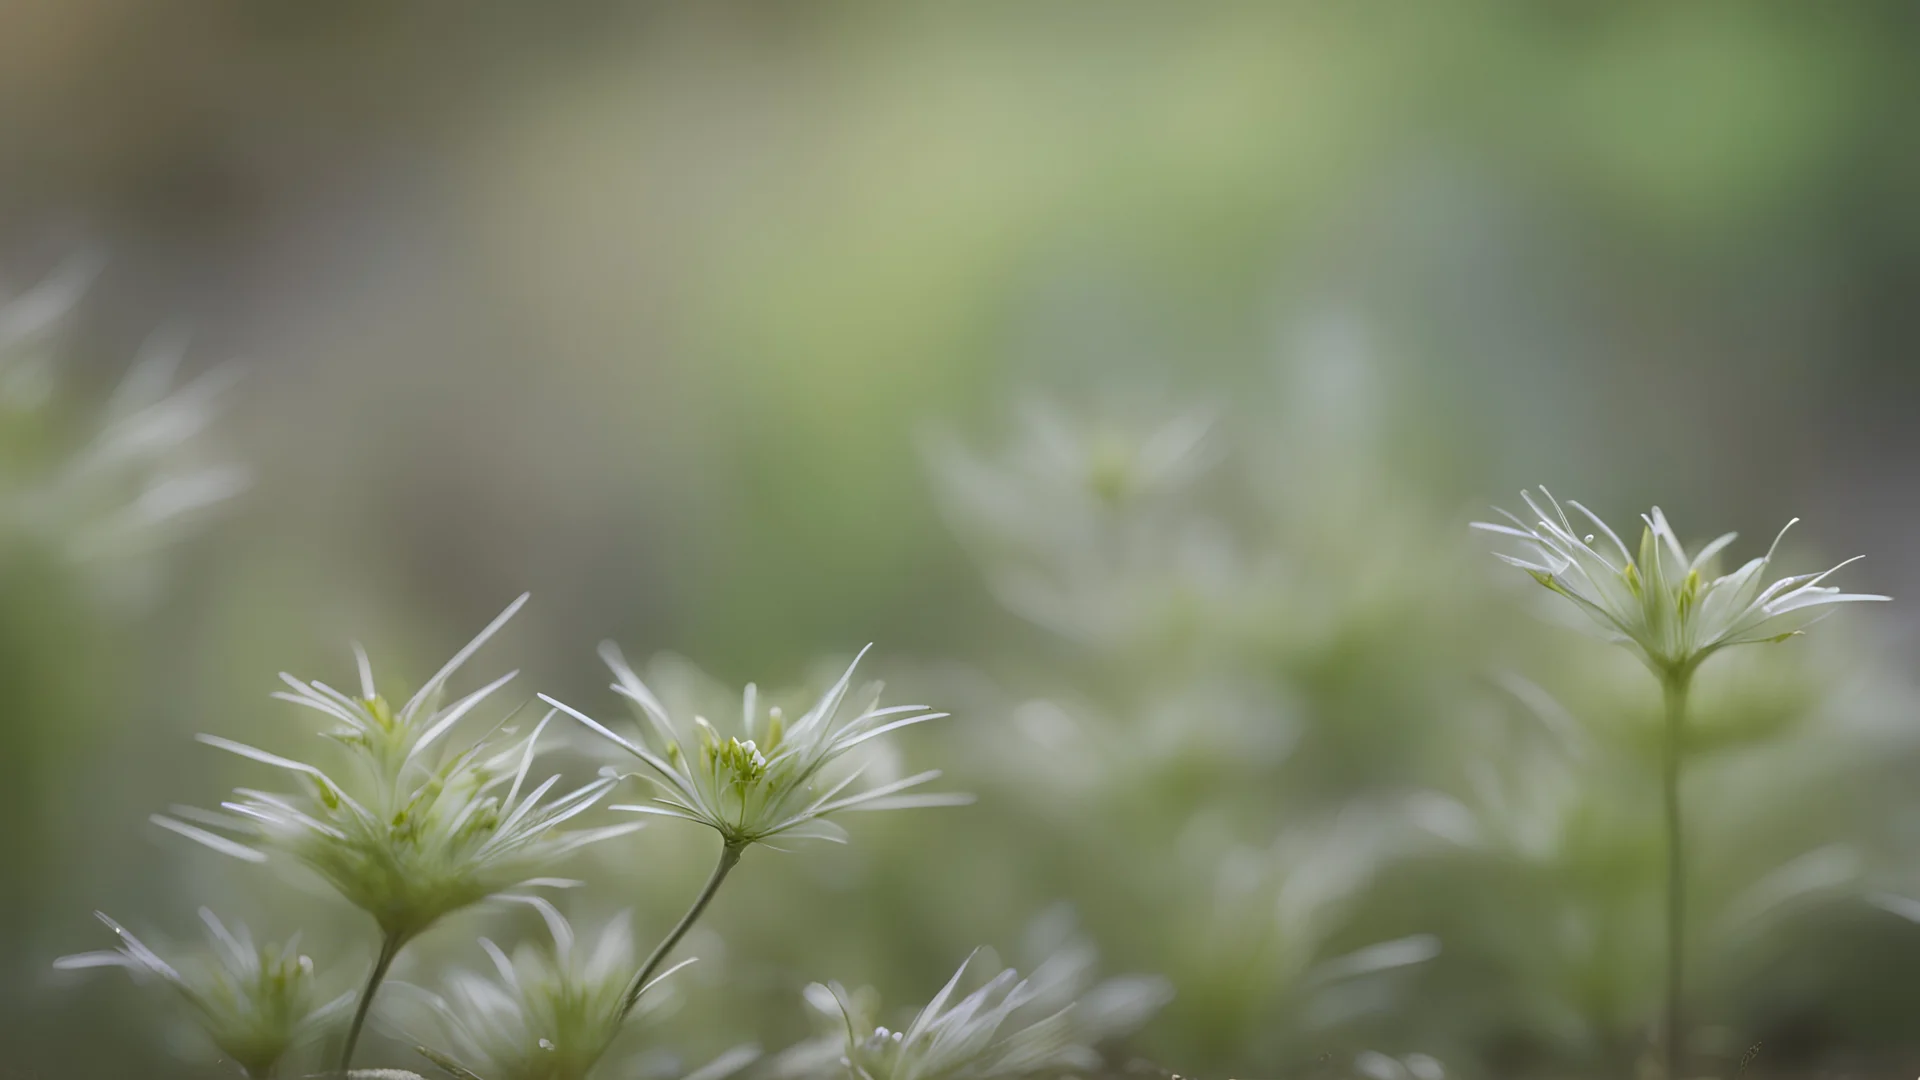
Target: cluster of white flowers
1104, 527
1094, 529
417, 822
1262, 624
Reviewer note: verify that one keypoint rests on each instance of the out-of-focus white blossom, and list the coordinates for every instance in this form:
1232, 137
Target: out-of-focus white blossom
143, 475
254, 1002
1048, 1022
549, 1014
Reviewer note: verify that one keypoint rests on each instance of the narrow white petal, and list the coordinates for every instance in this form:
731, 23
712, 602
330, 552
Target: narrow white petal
847, 744
365, 665
79, 961
1626, 555
212, 840
657, 979
459, 709
1713, 548
726, 1064
1385, 956
446, 671
910, 802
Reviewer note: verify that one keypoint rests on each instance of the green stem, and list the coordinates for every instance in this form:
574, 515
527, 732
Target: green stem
729, 857
1675, 685
390, 946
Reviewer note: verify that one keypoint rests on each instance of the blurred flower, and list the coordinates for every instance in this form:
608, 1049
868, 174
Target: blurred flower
1008, 1027
1103, 459
769, 780
415, 836
1662, 604
1377, 1066
1079, 523
255, 1002
551, 1015
141, 476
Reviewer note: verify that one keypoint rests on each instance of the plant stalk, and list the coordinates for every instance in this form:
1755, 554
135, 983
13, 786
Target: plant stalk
729, 857
1675, 684
390, 946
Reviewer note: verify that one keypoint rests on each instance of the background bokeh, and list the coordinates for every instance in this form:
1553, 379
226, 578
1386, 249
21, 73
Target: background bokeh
1127, 372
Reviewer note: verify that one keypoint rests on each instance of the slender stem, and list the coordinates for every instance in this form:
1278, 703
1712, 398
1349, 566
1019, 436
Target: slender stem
390, 946
1675, 685
729, 856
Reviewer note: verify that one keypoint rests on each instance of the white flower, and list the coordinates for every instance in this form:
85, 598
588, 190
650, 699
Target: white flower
142, 475
1079, 462
255, 1002
1008, 1027
1086, 525
551, 1014
1374, 1065
1668, 608
769, 780
415, 833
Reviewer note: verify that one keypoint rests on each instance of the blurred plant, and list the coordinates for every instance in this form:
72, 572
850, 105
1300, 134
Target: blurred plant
414, 834
1672, 612
1047, 1023
254, 1002
750, 793
1257, 952
553, 1013
1561, 822
1234, 619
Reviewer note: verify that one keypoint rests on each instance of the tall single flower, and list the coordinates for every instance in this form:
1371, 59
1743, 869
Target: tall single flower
255, 1002
771, 779
1671, 609
552, 1014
